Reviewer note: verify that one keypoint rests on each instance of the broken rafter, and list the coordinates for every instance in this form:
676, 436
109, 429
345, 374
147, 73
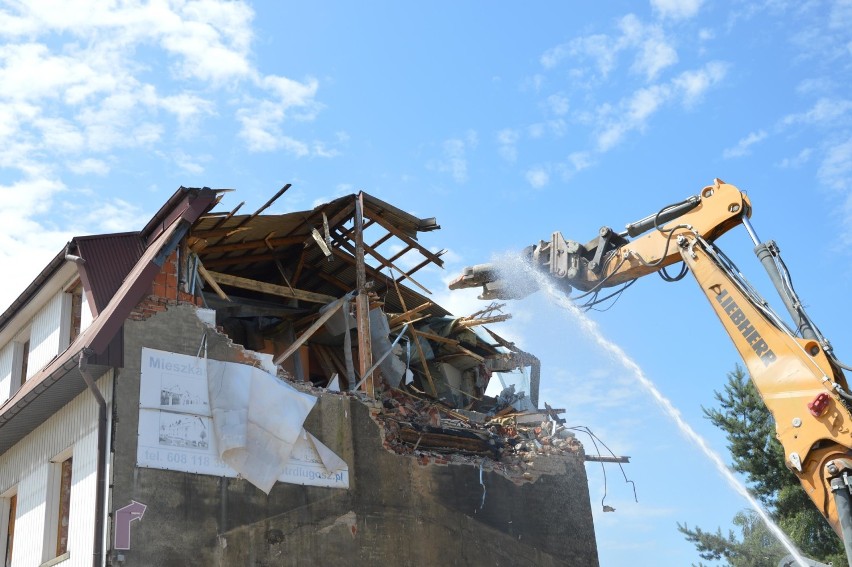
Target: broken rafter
209, 279
487, 310
268, 288
336, 220
425, 262
414, 336
265, 205
244, 259
466, 322
382, 260
403, 317
382, 240
330, 310
437, 338
217, 232
405, 238
254, 244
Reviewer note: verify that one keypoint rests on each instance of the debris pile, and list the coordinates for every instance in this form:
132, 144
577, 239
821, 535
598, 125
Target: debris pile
508, 442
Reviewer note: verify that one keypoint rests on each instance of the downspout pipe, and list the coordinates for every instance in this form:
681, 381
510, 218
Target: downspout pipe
100, 493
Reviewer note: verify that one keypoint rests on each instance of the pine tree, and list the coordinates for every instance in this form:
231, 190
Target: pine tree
757, 454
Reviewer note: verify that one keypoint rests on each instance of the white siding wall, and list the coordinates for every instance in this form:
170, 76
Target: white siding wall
27, 465
46, 333
6, 355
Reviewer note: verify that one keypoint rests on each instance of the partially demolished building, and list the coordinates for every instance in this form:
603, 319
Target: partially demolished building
230, 389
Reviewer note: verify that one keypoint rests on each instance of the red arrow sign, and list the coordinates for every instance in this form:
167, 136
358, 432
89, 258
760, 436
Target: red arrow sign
123, 516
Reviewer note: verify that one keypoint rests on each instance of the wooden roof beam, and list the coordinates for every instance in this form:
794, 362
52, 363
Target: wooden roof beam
254, 244
407, 239
382, 260
270, 289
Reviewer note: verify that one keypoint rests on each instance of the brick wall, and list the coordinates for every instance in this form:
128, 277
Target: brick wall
165, 291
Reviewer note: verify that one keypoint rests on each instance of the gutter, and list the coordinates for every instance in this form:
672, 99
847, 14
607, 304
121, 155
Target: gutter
100, 491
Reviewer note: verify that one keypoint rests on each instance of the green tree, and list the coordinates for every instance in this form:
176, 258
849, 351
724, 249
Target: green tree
757, 454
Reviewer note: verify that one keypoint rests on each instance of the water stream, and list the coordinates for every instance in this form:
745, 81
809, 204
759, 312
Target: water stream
557, 297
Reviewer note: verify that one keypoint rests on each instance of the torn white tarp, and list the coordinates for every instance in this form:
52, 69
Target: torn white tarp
177, 431
257, 420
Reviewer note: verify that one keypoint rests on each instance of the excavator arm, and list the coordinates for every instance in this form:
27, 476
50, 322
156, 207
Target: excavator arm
794, 370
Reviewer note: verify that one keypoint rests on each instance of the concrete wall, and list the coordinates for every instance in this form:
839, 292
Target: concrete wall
398, 510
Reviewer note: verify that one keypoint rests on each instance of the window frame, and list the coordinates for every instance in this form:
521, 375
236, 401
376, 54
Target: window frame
8, 507
58, 493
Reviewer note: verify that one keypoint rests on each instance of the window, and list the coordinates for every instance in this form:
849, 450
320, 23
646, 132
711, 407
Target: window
25, 358
20, 359
76, 318
9, 509
59, 506
64, 515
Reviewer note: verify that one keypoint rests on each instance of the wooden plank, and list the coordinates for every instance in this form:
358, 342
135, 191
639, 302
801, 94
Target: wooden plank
254, 244
362, 302
425, 262
244, 259
382, 260
405, 238
406, 316
224, 219
265, 205
331, 310
213, 233
437, 338
268, 288
211, 282
384, 239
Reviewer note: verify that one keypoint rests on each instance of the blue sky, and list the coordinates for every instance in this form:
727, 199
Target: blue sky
504, 122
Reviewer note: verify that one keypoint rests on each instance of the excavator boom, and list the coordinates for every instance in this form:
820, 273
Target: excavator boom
793, 369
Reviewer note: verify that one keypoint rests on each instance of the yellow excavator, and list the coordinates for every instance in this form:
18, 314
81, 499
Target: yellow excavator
794, 369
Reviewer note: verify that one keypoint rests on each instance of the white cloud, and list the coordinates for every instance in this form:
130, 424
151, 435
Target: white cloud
188, 163
743, 147
676, 9
693, 84
114, 215
655, 54
454, 152
706, 34
836, 167
798, 160
633, 114
81, 79
558, 104
507, 140
454, 156
824, 111
653, 51
24, 243
89, 165
537, 177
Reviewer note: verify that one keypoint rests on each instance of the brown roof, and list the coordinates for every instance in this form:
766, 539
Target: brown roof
108, 258
55, 385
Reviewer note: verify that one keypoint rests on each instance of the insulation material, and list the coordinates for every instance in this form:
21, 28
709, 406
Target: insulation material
257, 420
392, 367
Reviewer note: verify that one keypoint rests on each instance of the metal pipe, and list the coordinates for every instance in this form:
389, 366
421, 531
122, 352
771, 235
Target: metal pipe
750, 229
659, 219
100, 491
766, 252
843, 501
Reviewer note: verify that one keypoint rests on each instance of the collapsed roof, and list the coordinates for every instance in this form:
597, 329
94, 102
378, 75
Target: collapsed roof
281, 284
